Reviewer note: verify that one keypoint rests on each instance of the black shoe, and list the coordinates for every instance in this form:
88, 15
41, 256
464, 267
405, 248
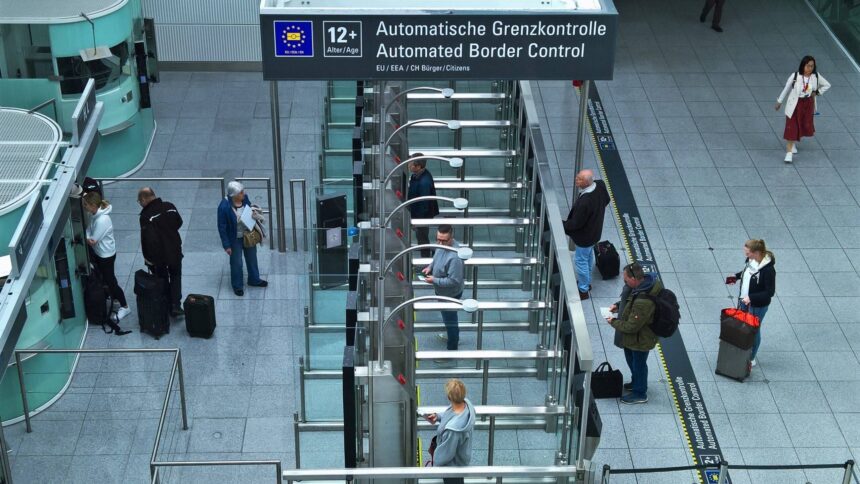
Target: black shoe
177, 311
238, 292
583, 296
628, 387
262, 283
702, 17
717, 28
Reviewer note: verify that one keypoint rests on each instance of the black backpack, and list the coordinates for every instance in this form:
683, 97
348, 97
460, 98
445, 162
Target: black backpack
98, 305
667, 313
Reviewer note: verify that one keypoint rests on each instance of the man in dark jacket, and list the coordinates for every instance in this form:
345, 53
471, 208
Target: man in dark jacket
421, 185
634, 323
161, 244
584, 225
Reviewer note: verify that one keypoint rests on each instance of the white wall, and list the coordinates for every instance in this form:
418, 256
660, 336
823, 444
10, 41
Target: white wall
206, 30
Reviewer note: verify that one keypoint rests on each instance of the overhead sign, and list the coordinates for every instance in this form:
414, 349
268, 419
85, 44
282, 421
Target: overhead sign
552, 45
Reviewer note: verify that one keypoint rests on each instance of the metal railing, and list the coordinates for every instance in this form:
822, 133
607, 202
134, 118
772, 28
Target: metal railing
723, 467
176, 369
558, 474
158, 465
221, 180
303, 184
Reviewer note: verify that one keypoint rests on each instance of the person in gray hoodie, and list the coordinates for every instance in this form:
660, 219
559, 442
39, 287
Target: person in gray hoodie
454, 431
445, 273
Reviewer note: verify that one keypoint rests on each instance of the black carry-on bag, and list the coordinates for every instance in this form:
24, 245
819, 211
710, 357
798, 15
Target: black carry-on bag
152, 303
607, 260
200, 315
606, 382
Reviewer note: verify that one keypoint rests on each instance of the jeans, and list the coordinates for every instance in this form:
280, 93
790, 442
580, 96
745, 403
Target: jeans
173, 276
236, 264
452, 326
105, 266
638, 363
760, 312
583, 258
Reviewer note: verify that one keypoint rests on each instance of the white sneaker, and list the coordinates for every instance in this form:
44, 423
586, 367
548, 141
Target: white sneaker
123, 312
752, 362
794, 149
788, 157
442, 336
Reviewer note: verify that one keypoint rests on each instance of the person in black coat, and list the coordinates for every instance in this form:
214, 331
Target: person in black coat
717, 5
161, 243
584, 225
421, 185
758, 284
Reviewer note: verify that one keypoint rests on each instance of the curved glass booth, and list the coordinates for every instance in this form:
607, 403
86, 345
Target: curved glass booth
48, 51
53, 307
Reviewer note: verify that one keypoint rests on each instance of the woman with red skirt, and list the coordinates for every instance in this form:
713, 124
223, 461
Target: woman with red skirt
801, 89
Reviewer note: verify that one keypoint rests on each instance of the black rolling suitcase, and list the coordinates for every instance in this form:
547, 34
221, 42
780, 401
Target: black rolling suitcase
608, 261
200, 315
152, 304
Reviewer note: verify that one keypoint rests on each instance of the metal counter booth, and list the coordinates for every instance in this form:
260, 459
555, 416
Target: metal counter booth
438, 82
48, 51
42, 255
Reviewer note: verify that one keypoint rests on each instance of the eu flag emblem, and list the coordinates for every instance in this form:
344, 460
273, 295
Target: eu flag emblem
294, 38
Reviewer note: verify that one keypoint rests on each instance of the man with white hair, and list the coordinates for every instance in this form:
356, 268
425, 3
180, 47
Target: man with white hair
584, 225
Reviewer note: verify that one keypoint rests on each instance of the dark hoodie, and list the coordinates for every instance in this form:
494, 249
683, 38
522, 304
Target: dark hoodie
159, 233
584, 223
635, 321
454, 437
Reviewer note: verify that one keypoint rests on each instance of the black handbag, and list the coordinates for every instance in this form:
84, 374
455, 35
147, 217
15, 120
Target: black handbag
606, 382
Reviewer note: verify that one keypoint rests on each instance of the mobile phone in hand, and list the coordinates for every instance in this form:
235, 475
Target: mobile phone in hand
731, 280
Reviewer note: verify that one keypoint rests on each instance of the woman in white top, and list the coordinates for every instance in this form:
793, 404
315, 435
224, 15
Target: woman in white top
100, 238
801, 89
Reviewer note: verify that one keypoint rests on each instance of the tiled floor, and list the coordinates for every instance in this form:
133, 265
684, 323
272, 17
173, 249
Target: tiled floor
693, 116
692, 113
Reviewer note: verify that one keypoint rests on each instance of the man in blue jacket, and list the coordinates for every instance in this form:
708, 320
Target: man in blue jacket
421, 185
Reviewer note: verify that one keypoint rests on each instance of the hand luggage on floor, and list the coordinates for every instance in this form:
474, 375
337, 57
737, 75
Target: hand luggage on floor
98, 306
200, 315
738, 327
608, 261
606, 382
733, 362
152, 304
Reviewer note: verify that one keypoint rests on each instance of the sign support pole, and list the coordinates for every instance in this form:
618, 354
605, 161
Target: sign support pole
279, 166
580, 132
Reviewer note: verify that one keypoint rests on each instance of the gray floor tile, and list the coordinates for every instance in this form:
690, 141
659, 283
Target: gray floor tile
798, 398
756, 431
834, 366
813, 430
268, 435
649, 431
97, 468
217, 435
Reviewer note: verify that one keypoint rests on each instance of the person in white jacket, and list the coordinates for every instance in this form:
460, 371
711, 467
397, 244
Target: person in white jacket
100, 238
801, 89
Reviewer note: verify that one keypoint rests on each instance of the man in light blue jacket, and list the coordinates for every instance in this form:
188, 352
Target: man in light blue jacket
454, 431
445, 273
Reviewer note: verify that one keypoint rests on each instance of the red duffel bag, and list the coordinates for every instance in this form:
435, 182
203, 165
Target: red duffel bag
738, 327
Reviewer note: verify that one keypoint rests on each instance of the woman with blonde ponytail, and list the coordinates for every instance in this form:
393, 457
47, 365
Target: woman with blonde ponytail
758, 284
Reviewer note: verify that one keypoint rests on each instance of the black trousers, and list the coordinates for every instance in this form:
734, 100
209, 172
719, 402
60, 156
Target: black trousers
105, 266
718, 11
173, 275
422, 236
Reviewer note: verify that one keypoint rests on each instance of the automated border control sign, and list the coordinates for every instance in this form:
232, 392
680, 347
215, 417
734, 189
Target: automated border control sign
450, 46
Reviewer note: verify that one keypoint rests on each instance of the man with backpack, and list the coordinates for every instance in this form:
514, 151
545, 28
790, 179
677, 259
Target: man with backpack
161, 243
649, 311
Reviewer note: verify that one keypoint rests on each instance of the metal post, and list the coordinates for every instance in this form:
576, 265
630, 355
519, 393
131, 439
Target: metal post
302, 409
307, 336
4, 456
580, 131
278, 162
849, 472
480, 344
583, 431
304, 213
485, 382
279, 473
724, 472
23, 391
293, 216
298, 440
224, 192
271, 209
492, 440
606, 474
181, 389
